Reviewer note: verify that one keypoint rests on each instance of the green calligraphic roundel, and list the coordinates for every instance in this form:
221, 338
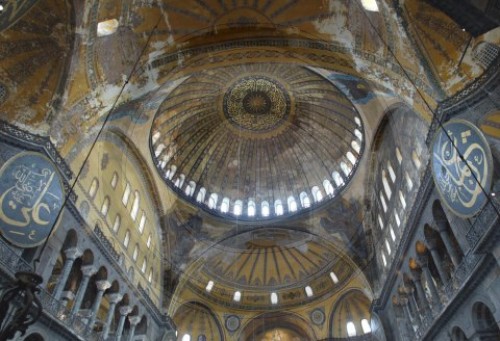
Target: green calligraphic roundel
31, 195
460, 182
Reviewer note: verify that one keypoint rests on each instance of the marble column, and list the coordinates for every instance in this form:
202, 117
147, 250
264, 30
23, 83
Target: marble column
404, 321
102, 286
416, 275
438, 262
445, 236
124, 311
113, 299
436, 300
87, 272
134, 321
67, 296
406, 293
71, 255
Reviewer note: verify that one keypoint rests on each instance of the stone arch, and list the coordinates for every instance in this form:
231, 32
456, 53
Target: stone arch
457, 334
133, 312
87, 257
71, 239
34, 337
484, 322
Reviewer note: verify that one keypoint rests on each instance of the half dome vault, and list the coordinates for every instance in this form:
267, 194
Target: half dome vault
256, 141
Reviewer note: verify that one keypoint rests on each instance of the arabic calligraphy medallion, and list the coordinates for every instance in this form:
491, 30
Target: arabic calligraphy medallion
459, 181
31, 194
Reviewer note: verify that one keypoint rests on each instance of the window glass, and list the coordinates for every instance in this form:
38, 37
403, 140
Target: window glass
265, 209
238, 207
274, 298
365, 325
93, 188
278, 207
126, 194
224, 207
105, 206
114, 180
304, 200
351, 329
251, 208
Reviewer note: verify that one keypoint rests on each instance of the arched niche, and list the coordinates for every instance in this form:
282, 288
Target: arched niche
348, 313
280, 326
484, 322
34, 337
197, 320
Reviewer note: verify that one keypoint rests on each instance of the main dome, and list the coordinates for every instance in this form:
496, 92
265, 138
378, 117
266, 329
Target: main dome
257, 141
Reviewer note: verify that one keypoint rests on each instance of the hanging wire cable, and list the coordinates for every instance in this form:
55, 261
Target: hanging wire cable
98, 135
435, 117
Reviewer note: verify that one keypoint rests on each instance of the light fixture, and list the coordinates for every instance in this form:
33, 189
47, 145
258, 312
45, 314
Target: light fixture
19, 306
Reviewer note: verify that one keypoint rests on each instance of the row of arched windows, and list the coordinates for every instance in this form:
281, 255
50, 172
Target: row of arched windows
273, 296
390, 193
134, 212
264, 208
351, 328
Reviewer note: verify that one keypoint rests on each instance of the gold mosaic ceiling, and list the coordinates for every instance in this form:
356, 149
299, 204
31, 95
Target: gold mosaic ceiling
257, 140
259, 262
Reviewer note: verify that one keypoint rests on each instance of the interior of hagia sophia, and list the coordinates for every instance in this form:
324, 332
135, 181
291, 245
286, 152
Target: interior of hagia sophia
250, 169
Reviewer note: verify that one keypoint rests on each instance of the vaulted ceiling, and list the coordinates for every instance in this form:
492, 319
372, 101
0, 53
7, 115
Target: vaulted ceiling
259, 102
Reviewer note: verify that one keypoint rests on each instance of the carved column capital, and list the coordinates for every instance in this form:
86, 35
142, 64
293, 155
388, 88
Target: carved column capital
102, 285
125, 310
134, 320
114, 297
88, 270
72, 253
416, 273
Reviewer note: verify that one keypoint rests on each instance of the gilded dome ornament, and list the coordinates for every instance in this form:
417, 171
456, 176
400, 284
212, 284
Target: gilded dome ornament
256, 103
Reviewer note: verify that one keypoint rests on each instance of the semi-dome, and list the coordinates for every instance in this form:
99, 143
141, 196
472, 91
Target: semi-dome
256, 141
271, 268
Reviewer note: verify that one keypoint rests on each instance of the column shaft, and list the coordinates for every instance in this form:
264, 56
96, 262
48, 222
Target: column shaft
61, 281
439, 266
434, 293
95, 308
119, 329
109, 317
80, 293
449, 247
132, 332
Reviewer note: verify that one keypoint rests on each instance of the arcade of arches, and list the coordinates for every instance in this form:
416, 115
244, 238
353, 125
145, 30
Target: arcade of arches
252, 169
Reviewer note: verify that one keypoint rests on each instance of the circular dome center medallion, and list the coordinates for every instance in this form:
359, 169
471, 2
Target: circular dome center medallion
256, 103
